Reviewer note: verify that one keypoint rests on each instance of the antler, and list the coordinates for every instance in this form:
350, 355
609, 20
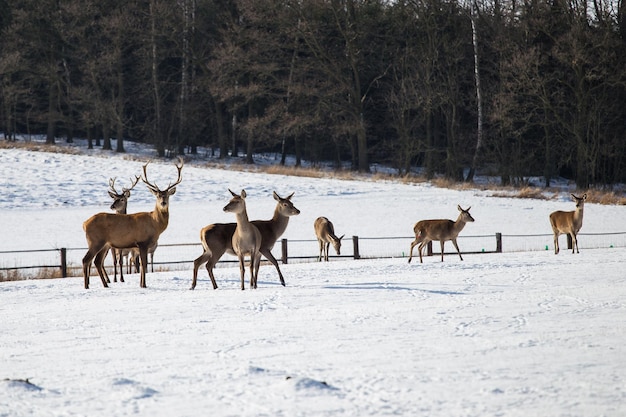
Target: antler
180, 176
124, 189
137, 178
153, 186
112, 185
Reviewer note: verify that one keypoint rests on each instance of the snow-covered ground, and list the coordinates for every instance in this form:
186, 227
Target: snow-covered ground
522, 333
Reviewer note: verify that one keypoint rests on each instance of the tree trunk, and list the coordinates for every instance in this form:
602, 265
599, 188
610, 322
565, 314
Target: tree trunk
157, 123
220, 120
51, 131
120, 101
479, 104
106, 136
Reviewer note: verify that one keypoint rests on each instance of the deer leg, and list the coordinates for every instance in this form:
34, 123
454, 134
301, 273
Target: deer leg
420, 247
252, 269
457, 248
87, 267
419, 250
99, 261
574, 242
143, 255
107, 277
441, 243
556, 243
210, 270
121, 265
152, 262
116, 254
196, 265
256, 267
242, 270
413, 244
321, 245
326, 251
268, 254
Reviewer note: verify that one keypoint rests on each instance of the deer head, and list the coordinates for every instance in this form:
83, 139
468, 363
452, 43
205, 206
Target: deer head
465, 215
120, 200
163, 196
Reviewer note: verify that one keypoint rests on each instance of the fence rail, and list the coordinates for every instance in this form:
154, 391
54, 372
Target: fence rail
66, 262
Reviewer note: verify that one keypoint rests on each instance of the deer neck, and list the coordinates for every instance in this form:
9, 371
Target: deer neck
161, 217
279, 223
459, 224
242, 220
578, 215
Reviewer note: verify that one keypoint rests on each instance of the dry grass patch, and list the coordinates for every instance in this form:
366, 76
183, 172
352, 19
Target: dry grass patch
524, 192
18, 274
38, 147
605, 197
294, 171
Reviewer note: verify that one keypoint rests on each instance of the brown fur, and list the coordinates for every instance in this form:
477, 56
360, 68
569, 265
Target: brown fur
122, 231
217, 238
325, 233
568, 222
246, 239
441, 230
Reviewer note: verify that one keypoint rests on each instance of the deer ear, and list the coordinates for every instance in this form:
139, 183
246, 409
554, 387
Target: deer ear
171, 191
231, 191
126, 193
459, 207
276, 196
243, 193
585, 196
112, 194
341, 237
290, 195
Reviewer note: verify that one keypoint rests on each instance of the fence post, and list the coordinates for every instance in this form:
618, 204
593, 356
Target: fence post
283, 247
63, 262
429, 248
355, 243
499, 242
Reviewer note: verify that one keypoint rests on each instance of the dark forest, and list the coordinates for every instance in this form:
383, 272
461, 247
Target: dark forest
508, 88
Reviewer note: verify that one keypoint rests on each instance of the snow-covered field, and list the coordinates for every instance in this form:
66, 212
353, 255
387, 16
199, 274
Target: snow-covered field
525, 333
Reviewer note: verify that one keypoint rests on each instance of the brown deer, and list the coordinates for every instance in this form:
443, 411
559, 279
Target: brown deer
217, 238
246, 239
441, 230
325, 233
121, 231
120, 203
568, 222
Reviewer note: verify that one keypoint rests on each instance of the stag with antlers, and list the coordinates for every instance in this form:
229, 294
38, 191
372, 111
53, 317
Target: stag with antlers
120, 231
120, 203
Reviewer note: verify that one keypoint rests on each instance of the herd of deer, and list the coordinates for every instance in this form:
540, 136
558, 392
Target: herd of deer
135, 236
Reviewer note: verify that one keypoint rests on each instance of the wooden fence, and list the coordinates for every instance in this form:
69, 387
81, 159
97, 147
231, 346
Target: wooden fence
66, 262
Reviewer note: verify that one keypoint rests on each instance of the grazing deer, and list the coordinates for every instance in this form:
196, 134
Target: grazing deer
246, 239
121, 231
217, 238
441, 230
568, 223
120, 203
325, 233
